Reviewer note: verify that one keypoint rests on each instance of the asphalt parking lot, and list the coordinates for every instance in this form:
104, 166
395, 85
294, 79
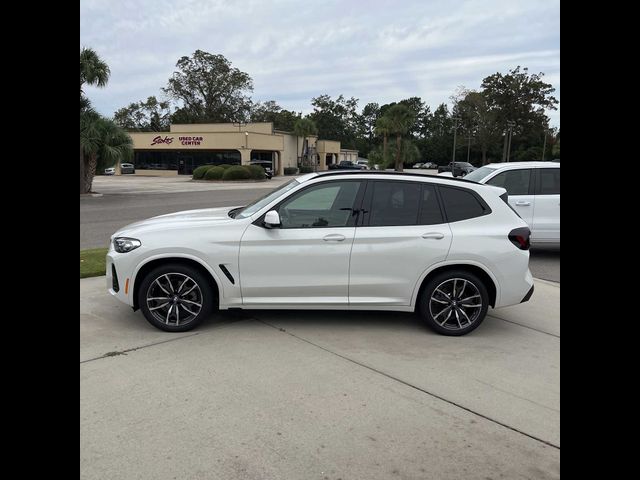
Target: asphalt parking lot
326, 395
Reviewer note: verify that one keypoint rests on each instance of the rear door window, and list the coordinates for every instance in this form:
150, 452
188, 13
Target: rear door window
516, 182
548, 181
461, 204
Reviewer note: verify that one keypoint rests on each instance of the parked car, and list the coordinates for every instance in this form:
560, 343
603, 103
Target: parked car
534, 193
429, 165
417, 165
457, 169
110, 171
266, 165
346, 165
364, 164
127, 168
444, 247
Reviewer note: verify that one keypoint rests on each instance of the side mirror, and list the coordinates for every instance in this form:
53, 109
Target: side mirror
271, 219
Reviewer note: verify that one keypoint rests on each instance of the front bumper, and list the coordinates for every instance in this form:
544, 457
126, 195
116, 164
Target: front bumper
121, 265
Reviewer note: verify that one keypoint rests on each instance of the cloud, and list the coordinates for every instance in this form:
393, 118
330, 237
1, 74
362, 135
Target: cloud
373, 50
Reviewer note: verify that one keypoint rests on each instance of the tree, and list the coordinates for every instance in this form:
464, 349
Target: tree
270, 111
477, 118
400, 119
336, 119
102, 144
210, 89
367, 122
382, 130
144, 116
93, 71
519, 97
303, 128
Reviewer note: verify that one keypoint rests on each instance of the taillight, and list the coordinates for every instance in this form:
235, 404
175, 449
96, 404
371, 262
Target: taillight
520, 237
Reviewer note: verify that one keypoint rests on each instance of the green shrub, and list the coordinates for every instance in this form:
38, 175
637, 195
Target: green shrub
306, 169
290, 170
236, 172
214, 173
256, 171
199, 172
225, 166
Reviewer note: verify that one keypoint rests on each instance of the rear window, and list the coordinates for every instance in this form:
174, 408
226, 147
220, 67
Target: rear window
479, 174
461, 204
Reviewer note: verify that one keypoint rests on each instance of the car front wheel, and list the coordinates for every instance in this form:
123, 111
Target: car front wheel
454, 303
175, 297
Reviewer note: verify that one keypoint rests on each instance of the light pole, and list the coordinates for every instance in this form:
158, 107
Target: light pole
469, 146
510, 124
455, 132
544, 144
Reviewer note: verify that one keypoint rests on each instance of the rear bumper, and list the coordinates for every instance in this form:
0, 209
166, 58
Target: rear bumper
528, 295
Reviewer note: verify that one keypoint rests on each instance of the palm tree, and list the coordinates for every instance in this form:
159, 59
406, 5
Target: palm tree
303, 128
399, 119
103, 143
382, 130
93, 71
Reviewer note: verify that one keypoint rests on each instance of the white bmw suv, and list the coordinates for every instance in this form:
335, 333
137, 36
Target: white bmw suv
355, 240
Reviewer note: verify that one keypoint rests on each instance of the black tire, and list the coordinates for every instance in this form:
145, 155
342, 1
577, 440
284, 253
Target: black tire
429, 306
173, 274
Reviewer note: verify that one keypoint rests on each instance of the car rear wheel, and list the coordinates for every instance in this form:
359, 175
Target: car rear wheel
175, 297
454, 303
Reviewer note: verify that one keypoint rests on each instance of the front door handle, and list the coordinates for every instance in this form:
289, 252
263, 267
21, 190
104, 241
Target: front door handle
334, 237
522, 203
435, 235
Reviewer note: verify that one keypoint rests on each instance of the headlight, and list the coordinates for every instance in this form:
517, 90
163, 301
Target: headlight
124, 244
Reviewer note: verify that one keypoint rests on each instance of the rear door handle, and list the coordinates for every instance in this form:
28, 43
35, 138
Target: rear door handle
522, 203
435, 235
334, 237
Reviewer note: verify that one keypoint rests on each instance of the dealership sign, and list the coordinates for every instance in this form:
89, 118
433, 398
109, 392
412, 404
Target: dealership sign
187, 141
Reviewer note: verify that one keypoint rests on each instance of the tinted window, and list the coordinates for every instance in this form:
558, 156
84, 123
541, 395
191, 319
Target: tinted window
516, 182
430, 213
479, 174
549, 181
394, 203
324, 205
460, 204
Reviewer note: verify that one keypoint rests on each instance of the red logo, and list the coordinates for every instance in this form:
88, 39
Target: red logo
159, 139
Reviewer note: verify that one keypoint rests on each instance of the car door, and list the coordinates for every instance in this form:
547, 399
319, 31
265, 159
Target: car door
401, 233
546, 221
519, 183
306, 261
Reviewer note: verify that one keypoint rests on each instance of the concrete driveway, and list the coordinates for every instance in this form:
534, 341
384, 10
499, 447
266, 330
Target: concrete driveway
323, 395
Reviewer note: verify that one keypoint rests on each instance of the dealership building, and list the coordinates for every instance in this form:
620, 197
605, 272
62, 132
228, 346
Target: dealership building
187, 146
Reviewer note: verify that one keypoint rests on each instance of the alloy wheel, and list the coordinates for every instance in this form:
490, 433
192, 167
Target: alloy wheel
174, 299
455, 304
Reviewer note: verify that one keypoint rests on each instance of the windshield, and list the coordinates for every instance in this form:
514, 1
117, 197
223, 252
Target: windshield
268, 198
479, 174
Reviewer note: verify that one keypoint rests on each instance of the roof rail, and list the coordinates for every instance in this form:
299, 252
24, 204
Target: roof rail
382, 172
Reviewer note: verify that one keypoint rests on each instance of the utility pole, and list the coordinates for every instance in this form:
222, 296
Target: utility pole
510, 124
544, 145
469, 147
455, 131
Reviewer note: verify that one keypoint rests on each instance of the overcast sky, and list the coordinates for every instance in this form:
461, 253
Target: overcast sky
374, 50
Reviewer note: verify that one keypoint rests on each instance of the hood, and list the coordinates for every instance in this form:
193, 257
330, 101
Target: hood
179, 220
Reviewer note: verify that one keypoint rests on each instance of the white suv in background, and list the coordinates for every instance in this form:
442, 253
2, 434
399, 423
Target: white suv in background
350, 240
534, 193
